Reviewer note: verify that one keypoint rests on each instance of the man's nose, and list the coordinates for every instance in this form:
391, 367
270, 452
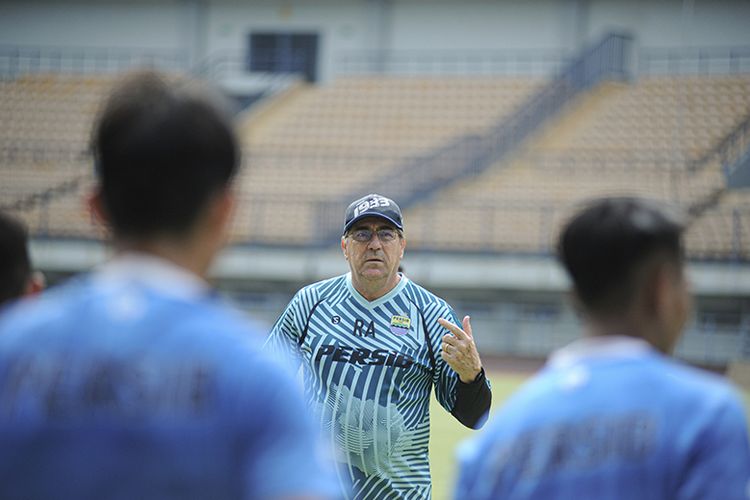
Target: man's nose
374, 241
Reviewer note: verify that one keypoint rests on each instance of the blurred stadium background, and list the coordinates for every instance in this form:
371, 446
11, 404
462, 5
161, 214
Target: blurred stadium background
488, 121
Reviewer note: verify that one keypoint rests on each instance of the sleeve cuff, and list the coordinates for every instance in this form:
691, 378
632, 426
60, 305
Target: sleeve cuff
477, 380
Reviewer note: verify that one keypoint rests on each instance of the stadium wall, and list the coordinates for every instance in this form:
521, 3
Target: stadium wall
108, 24
672, 23
202, 29
519, 305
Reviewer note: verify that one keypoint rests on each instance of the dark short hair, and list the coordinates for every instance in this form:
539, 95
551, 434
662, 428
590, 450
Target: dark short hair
605, 245
15, 265
161, 151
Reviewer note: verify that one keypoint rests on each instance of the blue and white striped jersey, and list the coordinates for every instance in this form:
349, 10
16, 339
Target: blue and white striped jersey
612, 418
136, 382
368, 369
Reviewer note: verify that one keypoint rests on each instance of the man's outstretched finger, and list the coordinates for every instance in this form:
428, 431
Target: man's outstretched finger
454, 329
467, 326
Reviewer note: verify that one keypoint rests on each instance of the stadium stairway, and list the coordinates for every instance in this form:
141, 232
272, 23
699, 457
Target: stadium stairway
525, 191
322, 142
515, 205
556, 133
739, 176
465, 155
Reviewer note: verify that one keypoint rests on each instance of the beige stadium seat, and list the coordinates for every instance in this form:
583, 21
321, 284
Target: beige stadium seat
636, 141
327, 142
333, 140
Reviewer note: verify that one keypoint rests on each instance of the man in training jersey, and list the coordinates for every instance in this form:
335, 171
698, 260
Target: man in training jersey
372, 345
611, 415
135, 382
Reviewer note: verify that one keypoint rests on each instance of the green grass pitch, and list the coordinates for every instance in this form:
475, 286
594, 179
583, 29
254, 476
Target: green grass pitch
446, 433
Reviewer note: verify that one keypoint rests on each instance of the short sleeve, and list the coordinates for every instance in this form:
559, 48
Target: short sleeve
720, 462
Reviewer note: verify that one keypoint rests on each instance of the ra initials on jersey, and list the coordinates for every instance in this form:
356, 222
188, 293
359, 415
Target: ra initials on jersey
359, 328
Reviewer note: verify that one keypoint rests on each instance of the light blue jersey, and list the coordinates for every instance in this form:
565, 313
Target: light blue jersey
136, 383
611, 418
368, 370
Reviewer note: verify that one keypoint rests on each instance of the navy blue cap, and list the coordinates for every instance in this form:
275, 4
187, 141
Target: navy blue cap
373, 205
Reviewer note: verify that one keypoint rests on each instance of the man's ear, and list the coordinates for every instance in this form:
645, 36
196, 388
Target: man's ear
95, 206
344, 248
98, 213
36, 284
223, 208
213, 223
670, 310
403, 247
659, 292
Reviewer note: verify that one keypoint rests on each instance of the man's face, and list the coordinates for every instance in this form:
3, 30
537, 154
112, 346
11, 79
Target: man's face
374, 249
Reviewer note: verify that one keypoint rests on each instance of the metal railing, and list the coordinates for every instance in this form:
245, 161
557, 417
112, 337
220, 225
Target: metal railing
16, 61
221, 64
517, 62
728, 150
732, 153
694, 61
527, 62
738, 174
33, 150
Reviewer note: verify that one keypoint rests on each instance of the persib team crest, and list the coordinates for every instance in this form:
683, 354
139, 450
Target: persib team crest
400, 325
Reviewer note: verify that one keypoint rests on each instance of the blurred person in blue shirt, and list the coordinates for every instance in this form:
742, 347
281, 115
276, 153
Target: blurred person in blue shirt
17, 277
611, 415
136, 381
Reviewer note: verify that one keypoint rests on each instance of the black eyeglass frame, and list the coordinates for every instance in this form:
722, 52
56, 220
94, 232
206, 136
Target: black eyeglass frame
370, 233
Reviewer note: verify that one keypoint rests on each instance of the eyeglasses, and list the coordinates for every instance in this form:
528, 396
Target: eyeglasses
386, 235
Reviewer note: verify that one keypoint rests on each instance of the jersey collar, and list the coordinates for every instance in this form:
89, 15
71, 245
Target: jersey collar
610, 346
375, 303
